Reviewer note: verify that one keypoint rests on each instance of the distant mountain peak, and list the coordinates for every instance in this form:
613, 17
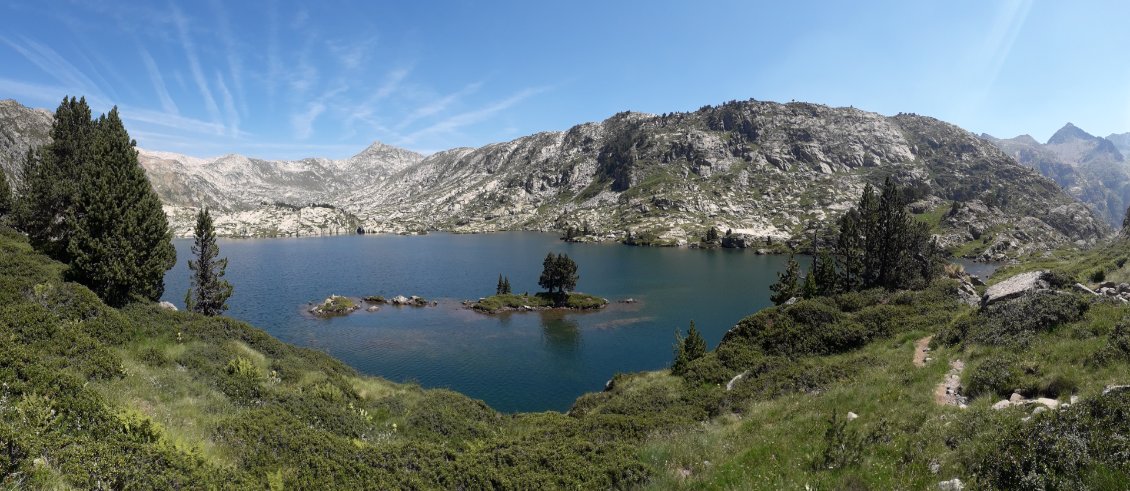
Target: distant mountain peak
1069, 133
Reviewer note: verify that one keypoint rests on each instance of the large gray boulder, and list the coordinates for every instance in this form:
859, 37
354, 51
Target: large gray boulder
1014, 287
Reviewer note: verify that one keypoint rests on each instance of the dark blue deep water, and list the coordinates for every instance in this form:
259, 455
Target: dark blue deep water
515, 362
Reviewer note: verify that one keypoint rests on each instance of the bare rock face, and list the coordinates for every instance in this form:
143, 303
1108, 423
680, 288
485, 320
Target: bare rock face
21, 128
1090, 168
1014, 287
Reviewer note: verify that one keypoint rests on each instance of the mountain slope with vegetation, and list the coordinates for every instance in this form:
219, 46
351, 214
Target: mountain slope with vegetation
772, 171
1090, 168
765, 171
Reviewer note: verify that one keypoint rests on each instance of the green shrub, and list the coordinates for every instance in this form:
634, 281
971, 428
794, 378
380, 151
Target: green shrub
996, 375
446, 415
1017, 321
1097, 276
153, 356
858, 300
1084, 446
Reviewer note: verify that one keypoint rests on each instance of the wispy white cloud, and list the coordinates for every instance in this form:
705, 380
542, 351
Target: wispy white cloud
351, 55
304, 74
52, 63
303, 123
365, 110
173, 121
158, 83
44, 94
235, 62
229, 106
194, 63
461, 120
437, 106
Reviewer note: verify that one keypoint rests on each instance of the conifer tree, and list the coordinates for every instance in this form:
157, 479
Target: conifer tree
506, 285
51, 179
559, 272
786, 286
498, 288
679, 364
711, 235
810, 288
824, 269
687, 349
118, 238
695, 345
5, 195
210, 291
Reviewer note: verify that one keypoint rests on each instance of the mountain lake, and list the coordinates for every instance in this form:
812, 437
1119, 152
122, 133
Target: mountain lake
517, 361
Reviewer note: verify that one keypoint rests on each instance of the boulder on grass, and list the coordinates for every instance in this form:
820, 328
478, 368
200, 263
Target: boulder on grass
1014, 287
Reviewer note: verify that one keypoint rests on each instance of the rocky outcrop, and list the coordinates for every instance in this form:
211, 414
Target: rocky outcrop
1015, 286
21, 128
1090, 168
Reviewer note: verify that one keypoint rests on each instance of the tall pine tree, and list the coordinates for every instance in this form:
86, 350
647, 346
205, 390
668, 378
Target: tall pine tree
786, 286
119, 240
51, 180
210, 291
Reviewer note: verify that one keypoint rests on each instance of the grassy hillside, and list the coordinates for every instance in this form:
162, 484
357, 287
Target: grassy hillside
147, 398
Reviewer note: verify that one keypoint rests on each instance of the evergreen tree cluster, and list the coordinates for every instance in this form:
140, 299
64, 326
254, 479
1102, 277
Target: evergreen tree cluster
572, 232
86, 201
687, 349
879, 245
503, 287
559, 273
209, 292
712, 236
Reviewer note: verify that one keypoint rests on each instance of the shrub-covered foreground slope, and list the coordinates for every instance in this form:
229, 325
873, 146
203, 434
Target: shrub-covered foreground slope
146, 398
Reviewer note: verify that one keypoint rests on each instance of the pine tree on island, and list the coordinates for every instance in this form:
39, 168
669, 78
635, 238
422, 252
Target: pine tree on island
210, 291
559, 273
503, 287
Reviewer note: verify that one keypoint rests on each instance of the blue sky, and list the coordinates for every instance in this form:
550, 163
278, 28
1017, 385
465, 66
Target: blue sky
294, 79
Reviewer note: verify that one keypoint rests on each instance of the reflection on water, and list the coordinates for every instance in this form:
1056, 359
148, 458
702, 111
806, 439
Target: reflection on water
519, 361
562, 334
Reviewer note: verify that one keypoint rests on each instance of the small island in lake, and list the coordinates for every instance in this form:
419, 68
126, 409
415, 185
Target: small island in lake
337, 305
333, 306
508, 302
558, 277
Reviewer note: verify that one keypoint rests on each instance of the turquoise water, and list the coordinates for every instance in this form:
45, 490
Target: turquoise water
528, 361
